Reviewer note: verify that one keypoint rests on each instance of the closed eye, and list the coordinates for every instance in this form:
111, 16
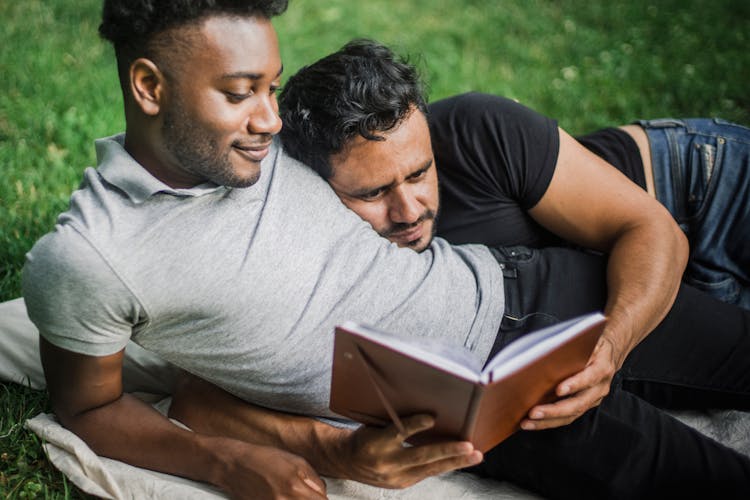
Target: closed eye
419, 174
234, 97
372, 195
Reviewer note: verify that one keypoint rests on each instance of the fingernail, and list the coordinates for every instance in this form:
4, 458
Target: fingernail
564, 390
528, 426
537, 414
312, 484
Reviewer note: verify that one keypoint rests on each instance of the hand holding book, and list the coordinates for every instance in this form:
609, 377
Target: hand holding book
380, 378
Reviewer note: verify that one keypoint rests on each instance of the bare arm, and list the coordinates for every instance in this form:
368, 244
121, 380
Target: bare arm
592, 204
86, 394
369, 455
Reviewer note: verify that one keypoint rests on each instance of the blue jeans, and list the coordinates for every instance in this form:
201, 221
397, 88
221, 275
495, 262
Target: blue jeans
702, 175
627, 447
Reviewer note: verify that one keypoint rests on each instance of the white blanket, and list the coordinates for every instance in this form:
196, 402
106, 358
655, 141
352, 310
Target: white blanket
106, 478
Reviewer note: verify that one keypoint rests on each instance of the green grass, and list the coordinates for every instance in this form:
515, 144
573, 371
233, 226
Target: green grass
24, 470
586, 63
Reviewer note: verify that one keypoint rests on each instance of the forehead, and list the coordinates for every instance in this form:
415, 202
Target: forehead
230, 45
406, 148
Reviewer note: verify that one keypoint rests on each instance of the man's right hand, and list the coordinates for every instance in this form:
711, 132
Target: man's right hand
379, 456
371, 455
250, 471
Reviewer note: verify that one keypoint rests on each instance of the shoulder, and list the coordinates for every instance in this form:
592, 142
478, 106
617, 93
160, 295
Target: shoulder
74, 297
478, 109
478, 104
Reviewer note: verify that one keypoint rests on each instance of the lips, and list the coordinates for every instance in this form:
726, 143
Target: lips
408, 235
254, 153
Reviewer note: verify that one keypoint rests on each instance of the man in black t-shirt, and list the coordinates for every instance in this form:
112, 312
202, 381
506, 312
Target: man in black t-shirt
496, 158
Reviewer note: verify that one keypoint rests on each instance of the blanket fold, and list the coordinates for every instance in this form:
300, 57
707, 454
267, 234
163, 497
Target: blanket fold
112, 479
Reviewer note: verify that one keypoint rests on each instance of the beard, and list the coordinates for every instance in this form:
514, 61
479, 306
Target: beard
421, 244
198, 153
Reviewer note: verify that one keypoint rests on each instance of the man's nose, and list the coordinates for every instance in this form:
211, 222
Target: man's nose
405, 208
264, 118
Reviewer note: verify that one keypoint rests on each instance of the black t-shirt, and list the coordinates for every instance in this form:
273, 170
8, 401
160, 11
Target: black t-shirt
495, 159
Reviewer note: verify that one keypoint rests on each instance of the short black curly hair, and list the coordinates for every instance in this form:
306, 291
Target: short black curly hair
132, 26
363, 89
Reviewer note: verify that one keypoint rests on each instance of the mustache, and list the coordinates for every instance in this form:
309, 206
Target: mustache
262, 140
399, 227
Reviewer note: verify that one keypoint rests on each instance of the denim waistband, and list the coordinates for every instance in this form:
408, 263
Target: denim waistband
662, 145
673, 142
701, 172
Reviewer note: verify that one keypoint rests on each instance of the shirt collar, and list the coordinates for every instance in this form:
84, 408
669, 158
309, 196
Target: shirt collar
120, 169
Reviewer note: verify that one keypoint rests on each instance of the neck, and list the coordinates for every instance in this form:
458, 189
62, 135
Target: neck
140, 143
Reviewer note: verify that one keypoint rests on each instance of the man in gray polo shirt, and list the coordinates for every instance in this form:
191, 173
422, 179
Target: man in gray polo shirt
198, 276
201, 240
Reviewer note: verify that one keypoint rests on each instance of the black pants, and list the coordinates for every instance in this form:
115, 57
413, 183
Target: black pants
697, 358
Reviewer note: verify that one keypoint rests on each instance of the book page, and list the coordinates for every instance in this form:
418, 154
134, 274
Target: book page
533, 345
452, 358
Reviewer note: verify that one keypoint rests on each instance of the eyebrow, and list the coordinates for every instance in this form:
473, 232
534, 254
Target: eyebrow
425, 166
249, 76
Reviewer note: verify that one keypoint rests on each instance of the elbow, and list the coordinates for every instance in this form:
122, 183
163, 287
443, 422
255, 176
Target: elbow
681, 247
193, 403
668, 240
181, 407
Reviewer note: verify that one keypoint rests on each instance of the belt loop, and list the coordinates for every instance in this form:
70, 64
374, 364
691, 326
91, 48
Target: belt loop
509, 272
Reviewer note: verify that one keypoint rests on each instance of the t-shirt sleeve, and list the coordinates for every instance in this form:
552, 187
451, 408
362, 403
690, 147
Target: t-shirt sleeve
73, 296
496, 159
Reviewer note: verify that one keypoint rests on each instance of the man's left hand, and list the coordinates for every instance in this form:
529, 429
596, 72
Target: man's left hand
579, 393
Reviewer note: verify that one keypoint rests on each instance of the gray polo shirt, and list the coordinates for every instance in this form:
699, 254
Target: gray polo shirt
243, 287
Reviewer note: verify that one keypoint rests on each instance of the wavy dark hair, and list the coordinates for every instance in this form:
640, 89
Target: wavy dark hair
133, 26
363, 89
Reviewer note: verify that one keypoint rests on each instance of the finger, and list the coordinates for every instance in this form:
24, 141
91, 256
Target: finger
596, 372
540, 425
418, 473
570, 407
413, 425
390, 435
558, 419
314, 482
426, 454
315, 487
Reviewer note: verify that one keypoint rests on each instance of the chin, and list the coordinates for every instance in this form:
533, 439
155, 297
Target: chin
244, 177
421, 246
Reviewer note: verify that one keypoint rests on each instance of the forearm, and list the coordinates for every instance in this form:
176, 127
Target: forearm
86, 394
210, 410
133, 432
643, 276
644, 271
590, 203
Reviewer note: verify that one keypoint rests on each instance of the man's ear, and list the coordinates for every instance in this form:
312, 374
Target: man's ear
147, 85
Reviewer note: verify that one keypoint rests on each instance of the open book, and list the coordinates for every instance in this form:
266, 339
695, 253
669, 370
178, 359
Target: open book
379, 378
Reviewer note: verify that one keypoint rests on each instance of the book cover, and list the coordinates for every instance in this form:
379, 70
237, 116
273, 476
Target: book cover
379, 378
